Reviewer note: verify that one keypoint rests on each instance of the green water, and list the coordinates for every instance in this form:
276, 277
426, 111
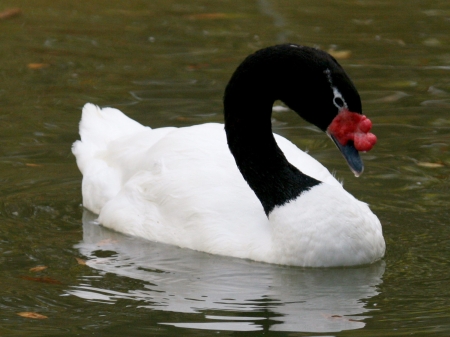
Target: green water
165, 63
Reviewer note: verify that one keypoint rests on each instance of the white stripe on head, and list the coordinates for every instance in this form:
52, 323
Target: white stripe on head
338, 100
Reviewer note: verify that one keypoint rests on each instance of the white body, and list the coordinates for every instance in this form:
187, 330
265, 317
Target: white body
181, 186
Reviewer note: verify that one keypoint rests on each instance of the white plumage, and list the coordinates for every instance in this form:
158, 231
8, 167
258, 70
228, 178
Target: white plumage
181, 186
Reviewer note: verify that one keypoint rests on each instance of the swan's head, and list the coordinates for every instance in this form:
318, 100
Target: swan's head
321, 92
310, 82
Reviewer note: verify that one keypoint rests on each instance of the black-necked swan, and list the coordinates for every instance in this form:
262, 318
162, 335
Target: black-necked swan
239, 191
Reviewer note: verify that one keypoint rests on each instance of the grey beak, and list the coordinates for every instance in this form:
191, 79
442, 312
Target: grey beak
351, 155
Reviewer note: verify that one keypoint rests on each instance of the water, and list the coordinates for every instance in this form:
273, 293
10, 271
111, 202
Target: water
166, 63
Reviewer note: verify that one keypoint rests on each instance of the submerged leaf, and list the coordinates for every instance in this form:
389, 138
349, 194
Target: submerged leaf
430, 165
81, 261
35, 66
29, 314
10, 13
340, 54
38, 268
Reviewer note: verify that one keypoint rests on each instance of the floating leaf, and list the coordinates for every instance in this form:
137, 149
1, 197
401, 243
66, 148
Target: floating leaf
340, 54
10, 13
35, 66
44, 279
38, 268
430, 165
81, 261
32, 165
29, 314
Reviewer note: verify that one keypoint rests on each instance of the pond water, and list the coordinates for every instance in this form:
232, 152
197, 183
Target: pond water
166, 63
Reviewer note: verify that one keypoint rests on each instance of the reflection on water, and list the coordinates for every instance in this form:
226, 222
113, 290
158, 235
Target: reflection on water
233, 294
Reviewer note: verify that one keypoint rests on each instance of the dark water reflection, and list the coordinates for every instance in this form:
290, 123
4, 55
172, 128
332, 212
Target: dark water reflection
165, 63
232, 294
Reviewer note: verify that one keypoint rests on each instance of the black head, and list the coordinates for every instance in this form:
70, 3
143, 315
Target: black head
309, 81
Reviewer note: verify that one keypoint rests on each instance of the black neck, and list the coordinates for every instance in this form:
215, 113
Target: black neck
248, 102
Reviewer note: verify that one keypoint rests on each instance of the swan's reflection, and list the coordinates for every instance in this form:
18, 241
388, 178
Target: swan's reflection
180, 280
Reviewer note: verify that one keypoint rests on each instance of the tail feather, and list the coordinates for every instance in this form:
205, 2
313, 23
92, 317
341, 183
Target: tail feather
99, 127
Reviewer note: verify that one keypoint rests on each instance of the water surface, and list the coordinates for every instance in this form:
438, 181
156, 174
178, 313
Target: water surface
165, 63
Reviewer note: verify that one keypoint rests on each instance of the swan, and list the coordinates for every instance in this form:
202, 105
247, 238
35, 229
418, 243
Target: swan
239, 190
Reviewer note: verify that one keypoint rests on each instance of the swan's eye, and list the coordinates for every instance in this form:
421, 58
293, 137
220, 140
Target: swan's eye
338, 102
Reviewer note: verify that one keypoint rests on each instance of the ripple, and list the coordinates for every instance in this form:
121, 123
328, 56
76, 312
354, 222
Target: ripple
184, 281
